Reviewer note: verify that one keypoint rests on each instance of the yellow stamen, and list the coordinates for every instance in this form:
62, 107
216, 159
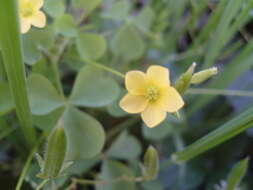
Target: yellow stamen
152, 93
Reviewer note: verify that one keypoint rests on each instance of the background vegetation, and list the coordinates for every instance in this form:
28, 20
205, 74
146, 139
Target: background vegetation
73, 69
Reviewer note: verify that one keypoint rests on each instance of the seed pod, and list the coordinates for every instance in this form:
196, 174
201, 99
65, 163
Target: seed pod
202, 76
185, 79
55, 153
151, 164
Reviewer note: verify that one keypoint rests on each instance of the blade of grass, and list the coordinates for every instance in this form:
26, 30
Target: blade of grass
240, 20
218, 40
13, 61
216, 137
212, 22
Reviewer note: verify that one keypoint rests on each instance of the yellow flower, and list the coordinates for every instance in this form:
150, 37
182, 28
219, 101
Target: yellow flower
30, 14
151, 95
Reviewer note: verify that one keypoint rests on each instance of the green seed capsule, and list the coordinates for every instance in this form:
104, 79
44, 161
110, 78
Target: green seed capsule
202, 76
55, 153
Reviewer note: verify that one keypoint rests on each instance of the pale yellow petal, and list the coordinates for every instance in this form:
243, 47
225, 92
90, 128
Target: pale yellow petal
25, 25
152, 116
133, 103
159, 74
37, 4
39, 19
22, 3
135, 82
171, 100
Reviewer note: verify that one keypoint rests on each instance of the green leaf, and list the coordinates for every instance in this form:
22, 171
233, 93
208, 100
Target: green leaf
34, 40
228, 130
152, 185
151, 164
83, 165
6, 101
93, 89
54, 8
128, 143
43, 97
42, 67
90, 46
159, 132
145, 19
47, 122
119, 10
112, 170
127, 43
114, 108
85, 134
65, 26
236, 174
87, 5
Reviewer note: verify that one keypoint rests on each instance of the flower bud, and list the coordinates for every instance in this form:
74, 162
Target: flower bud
185, 79
55, 153
202, 76
151, 164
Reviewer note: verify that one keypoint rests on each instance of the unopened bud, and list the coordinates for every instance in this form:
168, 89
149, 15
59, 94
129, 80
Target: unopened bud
185, 79
202, 76
151, 164
55, 153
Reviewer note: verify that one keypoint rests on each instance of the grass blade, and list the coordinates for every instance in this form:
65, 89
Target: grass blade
217, 42
223, 133
13, 62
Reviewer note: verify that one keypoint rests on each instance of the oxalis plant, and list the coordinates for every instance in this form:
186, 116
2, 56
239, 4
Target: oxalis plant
91, 94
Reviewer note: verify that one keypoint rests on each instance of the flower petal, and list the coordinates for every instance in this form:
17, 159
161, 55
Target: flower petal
133, 104
171, 100
152, 116
159, 74
25, 25
37, 4
135, 82
39, 19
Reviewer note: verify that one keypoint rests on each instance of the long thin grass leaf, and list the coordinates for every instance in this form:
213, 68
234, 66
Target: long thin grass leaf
216, 137
10, 43
217, 41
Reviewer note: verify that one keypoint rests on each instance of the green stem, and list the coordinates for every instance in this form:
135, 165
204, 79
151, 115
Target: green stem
12, 52
103, 182
103, 67
111, 133
207, 91
44, 182
57, 78
55, 61
27, 164
179, 144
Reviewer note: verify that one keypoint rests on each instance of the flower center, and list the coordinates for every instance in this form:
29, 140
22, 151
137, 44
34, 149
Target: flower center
27, 10
152, 93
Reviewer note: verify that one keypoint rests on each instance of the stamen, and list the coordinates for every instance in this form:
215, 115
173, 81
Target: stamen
152, 93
